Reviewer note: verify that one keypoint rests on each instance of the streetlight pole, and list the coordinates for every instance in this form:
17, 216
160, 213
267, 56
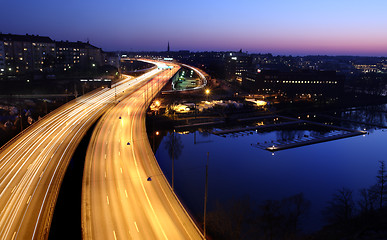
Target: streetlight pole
173, 161
205, 197
21, 118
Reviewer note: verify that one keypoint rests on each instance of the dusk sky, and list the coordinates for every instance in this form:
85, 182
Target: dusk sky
297, 27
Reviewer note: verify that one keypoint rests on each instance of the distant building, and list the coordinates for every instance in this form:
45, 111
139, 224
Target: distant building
2, 58
26, 53
294, 83
78, 55
112, 59
237, 63
369, 68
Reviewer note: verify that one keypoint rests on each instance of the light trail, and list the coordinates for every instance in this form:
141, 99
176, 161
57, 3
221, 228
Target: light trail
139, 209
32, 165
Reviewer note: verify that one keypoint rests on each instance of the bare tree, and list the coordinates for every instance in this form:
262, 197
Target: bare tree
280, 219
341, 208
294, 207
381, 183
271, 219
229, 220
367, 200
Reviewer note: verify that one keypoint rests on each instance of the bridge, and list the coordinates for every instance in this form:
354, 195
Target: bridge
125, 194
32, 164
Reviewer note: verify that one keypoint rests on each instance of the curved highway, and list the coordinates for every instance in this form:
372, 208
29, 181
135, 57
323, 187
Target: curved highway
33, 164
125, 194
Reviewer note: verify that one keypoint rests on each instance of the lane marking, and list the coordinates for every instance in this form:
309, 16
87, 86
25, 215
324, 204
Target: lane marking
29, 198
126, 193
114, 233
107, 199
121, 170
136, 226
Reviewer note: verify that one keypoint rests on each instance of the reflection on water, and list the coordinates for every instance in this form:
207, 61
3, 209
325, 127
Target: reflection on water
237, 170
173, 145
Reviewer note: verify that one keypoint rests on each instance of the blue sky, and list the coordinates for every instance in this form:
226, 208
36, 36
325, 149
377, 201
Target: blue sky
295, 27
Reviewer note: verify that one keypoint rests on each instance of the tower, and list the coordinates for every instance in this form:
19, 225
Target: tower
168, 47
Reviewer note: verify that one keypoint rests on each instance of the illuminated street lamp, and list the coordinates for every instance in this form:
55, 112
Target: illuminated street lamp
207, 93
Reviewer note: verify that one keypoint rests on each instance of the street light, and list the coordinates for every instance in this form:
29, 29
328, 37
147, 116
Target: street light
207, 93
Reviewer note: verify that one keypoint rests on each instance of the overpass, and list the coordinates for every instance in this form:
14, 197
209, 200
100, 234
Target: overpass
32, 164
125, 195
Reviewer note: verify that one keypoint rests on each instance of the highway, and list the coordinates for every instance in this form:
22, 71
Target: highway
33, 164
125, 194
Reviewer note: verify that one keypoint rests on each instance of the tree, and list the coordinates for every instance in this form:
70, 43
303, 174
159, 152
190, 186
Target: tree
295, 207
341, 208
174, 146
271, 219
382, 178
368, 199
229, 220
280, 219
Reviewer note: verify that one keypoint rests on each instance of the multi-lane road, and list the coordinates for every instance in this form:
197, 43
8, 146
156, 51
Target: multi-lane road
125, 194
33, 164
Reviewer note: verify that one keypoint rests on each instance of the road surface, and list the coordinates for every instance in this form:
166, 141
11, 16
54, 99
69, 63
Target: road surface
32, 165
125, 194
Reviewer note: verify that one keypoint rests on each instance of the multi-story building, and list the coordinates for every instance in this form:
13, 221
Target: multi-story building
237, 63
27, 53
112, 59
78, 55
326, 83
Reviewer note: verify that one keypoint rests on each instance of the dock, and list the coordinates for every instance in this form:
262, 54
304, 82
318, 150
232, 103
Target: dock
295, 144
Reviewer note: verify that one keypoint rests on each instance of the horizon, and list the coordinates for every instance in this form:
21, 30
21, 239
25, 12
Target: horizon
297, 28
193, 51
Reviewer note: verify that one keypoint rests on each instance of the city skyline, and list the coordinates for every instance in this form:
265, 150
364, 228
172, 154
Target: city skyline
282, 28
